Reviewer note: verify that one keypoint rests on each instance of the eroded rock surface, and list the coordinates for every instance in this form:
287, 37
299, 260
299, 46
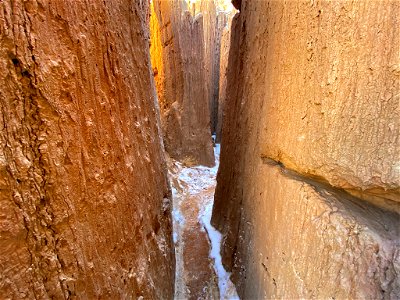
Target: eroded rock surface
333, 96
177, 52
208, 8
224, 56
217, 15
84, 201
312, 120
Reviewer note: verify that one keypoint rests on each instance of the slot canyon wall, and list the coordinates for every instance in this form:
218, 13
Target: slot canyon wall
223, 79
84, 196
186, 54
208, 8
177, 54
307, 193
217, 17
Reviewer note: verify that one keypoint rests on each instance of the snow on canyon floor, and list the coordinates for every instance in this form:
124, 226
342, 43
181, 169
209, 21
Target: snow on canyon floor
199, 270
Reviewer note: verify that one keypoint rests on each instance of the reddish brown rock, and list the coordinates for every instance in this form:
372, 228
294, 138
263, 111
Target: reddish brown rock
177, 57
237, 4
312, 117
84, 196
214, 58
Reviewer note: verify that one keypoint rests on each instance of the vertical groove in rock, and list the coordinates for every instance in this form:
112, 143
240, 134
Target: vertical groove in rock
84, 193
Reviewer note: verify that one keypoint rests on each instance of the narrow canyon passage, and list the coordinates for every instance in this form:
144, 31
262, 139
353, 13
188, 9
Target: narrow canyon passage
189, 48
112, 186
199, 270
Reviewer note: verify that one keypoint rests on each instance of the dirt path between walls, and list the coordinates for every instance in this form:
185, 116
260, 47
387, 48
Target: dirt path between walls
199, 273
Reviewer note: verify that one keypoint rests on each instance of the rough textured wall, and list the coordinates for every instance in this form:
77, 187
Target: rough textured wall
340, 104
312, 122
224, 55
84, 197
178, 63
215, 17
209, 11
221, 22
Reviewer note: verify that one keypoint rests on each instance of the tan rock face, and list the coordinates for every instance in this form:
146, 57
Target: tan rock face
208, 9
304, 239
84, 196
177, 58
215, 58
312, 117
217, 14
224, 55
333, 96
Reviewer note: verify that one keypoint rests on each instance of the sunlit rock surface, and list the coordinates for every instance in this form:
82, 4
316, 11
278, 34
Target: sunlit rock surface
177, 53
308, 187
217, 15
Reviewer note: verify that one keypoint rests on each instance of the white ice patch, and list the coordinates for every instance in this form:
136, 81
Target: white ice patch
226, 288
178, 217
174, 192
192, 181
175, 237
